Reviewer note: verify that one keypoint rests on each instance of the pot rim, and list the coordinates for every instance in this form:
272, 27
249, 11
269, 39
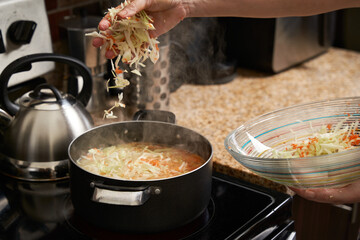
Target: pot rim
140, 180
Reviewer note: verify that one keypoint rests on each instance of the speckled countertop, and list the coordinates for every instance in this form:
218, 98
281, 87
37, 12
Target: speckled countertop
215, 110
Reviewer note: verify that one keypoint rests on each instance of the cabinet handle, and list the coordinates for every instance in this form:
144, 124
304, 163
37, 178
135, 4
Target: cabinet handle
354, 213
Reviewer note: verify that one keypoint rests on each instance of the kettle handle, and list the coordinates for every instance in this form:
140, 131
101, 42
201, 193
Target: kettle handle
24, 64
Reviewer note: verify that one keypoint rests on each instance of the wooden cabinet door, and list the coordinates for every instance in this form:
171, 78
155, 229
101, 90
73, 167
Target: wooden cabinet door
321, 221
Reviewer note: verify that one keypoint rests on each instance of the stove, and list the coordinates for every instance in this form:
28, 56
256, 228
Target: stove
237, 210
24, 30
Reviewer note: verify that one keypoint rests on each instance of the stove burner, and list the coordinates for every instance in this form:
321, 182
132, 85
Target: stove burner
86, 230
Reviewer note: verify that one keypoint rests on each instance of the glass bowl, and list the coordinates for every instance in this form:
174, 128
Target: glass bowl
253, 143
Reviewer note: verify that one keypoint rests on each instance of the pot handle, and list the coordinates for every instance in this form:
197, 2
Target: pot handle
126, 196
155, 115
24, 64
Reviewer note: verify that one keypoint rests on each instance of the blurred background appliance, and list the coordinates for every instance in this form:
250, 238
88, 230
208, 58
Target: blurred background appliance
24, 29
276, 44
347, 29
80, 47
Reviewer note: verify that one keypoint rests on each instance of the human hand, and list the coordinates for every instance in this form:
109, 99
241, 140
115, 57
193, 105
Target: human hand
166, 14
342, 195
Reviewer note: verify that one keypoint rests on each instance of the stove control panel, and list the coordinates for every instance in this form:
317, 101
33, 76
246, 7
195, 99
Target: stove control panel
24, 30
21, 32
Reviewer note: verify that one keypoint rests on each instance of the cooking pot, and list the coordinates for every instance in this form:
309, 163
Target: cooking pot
42, 123
140, 205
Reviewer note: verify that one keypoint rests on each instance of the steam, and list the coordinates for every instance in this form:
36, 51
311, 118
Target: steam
197, 45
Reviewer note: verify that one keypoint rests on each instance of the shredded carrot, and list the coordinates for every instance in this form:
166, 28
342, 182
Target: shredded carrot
118, 70
139, 161
111, 37
327, 140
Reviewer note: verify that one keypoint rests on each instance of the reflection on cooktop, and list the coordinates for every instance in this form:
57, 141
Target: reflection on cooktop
85, 229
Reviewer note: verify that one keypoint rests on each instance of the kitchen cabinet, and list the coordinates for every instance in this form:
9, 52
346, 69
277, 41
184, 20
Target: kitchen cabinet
322, 221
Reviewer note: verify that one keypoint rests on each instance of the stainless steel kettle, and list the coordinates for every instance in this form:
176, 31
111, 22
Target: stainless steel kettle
43, 122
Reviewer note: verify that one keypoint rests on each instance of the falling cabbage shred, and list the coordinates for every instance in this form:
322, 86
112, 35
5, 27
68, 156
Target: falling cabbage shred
129, 39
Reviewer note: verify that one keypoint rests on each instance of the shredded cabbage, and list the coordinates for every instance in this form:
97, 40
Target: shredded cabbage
326, 141
129, 39
139, 161
109, 113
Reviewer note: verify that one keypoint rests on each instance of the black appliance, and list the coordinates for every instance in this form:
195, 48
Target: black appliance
237, 210
347, 34
277, 44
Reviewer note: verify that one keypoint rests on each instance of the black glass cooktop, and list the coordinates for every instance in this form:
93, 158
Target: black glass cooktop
237, 210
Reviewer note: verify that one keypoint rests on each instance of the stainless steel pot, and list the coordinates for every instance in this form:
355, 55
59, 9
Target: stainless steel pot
140, 205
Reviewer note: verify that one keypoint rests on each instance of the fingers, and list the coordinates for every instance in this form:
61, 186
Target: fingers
343, 195
104, 24
130, 10
97, 42
109, 54
311, 194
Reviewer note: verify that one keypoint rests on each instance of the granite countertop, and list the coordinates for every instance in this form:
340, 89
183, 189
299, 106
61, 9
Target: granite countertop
215, 110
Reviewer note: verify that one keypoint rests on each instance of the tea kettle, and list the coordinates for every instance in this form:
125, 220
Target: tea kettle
42, 123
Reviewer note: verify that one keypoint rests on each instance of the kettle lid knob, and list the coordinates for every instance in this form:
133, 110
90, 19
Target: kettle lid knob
46, 97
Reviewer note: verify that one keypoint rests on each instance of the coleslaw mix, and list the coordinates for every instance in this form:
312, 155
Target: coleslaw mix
129, 39
325, 141
139, 161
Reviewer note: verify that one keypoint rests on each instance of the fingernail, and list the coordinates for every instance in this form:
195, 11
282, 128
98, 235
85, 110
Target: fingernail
104, 24
109, 55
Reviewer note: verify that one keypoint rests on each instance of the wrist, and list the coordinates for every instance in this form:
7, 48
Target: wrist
194, 8
210, 8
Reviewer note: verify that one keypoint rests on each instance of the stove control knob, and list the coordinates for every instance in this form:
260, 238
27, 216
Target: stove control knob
21, 32
2, 45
